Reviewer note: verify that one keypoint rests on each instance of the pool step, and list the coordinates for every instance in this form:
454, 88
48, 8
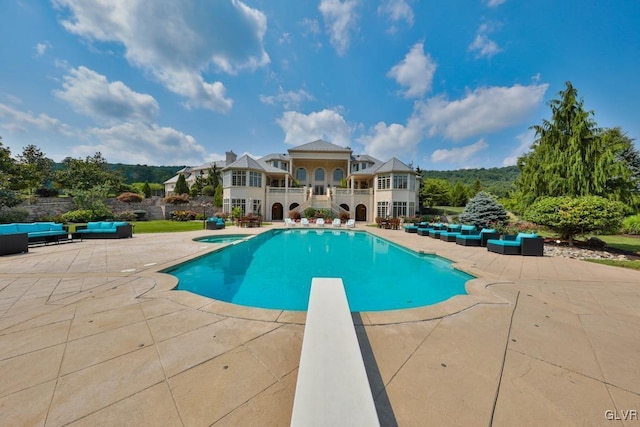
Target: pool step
332, 387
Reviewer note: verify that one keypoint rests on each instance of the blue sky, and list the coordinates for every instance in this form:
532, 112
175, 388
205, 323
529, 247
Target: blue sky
441, 85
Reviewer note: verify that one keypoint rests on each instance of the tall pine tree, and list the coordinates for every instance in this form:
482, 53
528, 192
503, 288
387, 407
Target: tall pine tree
570, 157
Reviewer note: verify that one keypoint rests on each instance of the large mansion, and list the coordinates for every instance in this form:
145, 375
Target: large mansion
319, 175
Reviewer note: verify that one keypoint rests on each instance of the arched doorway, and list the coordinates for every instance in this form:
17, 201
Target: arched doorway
276, 211
361, 213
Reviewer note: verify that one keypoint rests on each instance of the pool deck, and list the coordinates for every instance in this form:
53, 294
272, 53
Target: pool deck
92, 334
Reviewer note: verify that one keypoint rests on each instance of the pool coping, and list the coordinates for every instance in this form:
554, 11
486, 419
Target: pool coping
478, 290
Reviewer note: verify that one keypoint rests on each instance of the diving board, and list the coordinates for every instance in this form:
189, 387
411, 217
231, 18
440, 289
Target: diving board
332, 387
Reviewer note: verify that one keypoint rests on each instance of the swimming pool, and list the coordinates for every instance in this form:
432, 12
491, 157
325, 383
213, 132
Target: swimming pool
274, 270
224, 238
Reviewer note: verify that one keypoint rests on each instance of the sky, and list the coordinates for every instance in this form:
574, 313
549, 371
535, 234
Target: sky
437, 84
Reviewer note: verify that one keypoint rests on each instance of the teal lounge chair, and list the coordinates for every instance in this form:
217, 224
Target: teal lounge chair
528, 244
456, 230
477, 238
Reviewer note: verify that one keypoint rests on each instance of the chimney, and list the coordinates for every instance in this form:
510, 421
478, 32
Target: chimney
231, 157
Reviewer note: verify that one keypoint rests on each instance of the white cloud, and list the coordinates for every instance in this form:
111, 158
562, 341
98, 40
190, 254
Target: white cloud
397, 10
144, 144
17, 121
41, 48
482, 44
458, 154
91, 94
177, 40
482, 111
415, 72
340, 20
326, 124
494, 3
526, 140
394, 140
290, 99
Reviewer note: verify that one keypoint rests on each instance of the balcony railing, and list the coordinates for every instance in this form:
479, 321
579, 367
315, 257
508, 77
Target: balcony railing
282, 190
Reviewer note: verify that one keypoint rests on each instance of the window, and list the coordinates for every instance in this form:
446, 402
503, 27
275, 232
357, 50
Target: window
412, 209
226, 179
383, 209
364, 166
225, 206
338, 174
384, 182
241, 203
255, 179
400, 181
399, 209
301, 174
355, 167
256, 207
319, 175
239, 178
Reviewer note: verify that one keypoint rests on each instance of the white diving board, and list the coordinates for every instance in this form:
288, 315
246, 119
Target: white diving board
332, 388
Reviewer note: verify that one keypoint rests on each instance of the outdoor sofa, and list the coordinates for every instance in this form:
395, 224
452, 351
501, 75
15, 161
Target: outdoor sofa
12, 241
215, 223
477, 238
105, 230
528, 244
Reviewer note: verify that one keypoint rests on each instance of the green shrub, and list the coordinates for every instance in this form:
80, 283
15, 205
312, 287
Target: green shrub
569, 216
12, 215
80, 215
631, 224
208, 190
483, 211
310, 212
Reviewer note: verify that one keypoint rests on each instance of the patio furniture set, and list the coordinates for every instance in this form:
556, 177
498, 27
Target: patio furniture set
17, 237
527, 244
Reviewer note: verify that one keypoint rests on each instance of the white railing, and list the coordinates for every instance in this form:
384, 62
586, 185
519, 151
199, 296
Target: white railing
282, 190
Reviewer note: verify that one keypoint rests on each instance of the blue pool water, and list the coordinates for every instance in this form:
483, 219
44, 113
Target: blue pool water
274, 270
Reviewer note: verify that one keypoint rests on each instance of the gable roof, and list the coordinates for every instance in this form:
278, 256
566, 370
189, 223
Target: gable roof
320, 145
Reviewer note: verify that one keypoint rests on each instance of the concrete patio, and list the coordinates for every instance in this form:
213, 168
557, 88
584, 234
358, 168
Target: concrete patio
92, 334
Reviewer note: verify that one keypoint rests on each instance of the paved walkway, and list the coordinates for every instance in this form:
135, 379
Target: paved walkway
91, 334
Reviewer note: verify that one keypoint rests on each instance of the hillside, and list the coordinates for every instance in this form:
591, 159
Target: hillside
498, 181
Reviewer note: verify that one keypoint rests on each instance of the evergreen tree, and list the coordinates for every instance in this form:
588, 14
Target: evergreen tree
476, 188
146, 189
8, 176
217, 197
35, 168
181, 186
570, 156
458, 194
483, 211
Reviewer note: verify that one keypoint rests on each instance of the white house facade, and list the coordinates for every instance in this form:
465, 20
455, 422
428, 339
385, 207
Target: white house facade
321, 175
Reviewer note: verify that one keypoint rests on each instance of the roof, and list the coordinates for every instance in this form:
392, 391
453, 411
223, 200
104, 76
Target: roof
274, 156
394, 165
320, 145
245, 162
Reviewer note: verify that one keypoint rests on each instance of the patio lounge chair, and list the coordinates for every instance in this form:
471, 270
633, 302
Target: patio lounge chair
320, 222
477, 238
422, 231
351, 223
450, 236
528, 244
336, 222
289, 222
304, 222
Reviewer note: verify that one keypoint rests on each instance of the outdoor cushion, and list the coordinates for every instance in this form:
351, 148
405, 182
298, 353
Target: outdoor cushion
454, 227
488, 230
468, 228
521, 235
106, 225
27, 228
93, 225
8, 229
504, 242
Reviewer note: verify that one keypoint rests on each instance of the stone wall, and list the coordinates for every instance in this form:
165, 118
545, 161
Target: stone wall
154, 207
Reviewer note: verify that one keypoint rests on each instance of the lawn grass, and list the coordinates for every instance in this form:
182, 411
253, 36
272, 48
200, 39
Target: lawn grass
625, 243
635, 265
449, 210
166, 226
